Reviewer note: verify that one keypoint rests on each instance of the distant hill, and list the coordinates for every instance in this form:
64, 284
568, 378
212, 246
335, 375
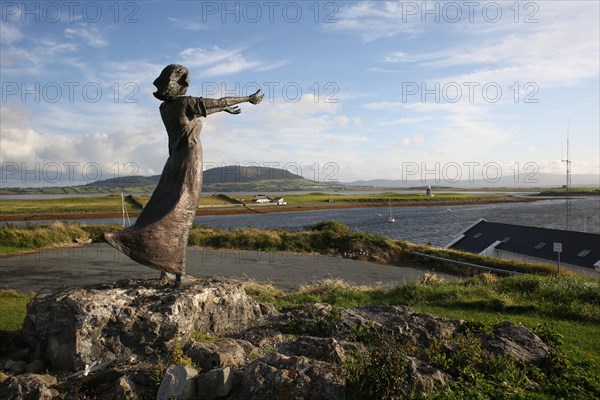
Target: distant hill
227, 174
126, 181
232, 178
524, 180
235, 173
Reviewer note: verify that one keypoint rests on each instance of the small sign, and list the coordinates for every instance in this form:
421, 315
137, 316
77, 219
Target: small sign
558, 247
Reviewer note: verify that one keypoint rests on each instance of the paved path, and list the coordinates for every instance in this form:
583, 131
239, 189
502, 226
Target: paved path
100, 263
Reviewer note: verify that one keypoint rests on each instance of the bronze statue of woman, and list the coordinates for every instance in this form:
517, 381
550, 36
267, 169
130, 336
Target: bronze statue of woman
158, 239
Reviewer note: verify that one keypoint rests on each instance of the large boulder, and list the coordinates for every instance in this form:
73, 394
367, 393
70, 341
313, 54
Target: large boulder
516, 342
72, 328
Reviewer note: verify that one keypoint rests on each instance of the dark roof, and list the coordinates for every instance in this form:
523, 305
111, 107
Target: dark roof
578, 248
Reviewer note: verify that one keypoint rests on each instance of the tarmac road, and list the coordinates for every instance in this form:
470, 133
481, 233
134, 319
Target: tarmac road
100, 263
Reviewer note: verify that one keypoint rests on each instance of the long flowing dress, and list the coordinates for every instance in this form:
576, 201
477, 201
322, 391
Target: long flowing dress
158, 239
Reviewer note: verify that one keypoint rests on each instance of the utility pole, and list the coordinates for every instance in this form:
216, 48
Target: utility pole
567, 160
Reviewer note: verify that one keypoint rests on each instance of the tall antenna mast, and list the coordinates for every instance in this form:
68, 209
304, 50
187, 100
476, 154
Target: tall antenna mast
567, 160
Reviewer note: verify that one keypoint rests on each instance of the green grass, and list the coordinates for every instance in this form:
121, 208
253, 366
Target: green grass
112, 203
16, 238
572, 298
392, 197
64, 205
12, 306
573, 191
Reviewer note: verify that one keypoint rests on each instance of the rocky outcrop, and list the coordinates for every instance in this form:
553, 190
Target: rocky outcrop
209, 340
77, 327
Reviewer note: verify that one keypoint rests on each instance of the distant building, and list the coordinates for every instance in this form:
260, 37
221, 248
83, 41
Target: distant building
428, 191
279, 201
528, 243
261, 198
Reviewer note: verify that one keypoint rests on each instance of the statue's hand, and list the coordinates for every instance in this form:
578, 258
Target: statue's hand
256, 97
232, 110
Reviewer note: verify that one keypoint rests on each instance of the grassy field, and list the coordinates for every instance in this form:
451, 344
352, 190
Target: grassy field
92, 204
203, 201
392, 197
112, 203
572, 192
64, 205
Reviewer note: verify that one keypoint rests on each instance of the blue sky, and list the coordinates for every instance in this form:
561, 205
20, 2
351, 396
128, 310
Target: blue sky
354, 90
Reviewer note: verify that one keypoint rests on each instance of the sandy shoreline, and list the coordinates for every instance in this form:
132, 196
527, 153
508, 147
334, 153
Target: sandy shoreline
230, 210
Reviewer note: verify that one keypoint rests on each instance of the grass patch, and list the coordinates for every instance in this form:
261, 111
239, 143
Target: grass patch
15, 238
572, 192
393, 197
13, 309
66, 205
568, 298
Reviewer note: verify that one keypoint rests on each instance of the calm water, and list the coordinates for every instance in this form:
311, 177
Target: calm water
437, 225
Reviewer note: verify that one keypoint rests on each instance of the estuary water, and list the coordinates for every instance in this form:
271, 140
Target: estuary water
437, 225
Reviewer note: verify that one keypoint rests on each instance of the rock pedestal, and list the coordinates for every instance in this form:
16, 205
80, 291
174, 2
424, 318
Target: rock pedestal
75, 328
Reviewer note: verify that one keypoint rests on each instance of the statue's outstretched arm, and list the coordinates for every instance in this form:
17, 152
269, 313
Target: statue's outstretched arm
227, 103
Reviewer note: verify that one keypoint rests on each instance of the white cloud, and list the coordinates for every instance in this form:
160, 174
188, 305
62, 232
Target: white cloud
217, 61
559, 50
374, 20
199, 57
234, 64
87, 33
9, 33
48, 151
188, 24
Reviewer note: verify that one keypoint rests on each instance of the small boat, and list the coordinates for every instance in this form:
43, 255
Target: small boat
391, 219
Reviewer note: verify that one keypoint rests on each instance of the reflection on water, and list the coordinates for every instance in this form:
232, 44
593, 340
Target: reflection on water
437, 225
